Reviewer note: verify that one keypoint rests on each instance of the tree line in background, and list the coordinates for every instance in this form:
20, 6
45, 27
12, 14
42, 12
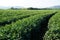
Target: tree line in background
30, 8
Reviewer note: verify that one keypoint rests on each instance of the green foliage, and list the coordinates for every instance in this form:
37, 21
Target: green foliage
54, 28
21, 29
7, 15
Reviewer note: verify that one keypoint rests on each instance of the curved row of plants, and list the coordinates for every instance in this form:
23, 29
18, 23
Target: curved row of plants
54, 28
9, 16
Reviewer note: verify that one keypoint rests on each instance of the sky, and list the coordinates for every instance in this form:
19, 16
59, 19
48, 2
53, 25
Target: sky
30, 3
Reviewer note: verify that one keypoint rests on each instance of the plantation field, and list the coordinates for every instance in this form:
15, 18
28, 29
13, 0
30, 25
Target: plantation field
29, 25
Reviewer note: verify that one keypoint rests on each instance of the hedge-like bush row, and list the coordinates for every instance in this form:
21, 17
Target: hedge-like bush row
54, 28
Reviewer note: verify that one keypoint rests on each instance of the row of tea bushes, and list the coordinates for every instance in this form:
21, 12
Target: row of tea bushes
54, 28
